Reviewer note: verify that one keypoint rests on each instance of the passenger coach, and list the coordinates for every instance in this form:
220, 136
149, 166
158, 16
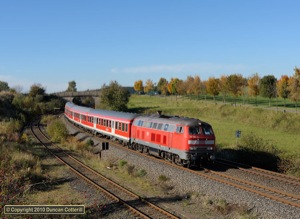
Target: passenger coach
111, 124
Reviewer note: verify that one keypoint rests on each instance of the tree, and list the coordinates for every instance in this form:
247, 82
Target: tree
162, 86
197, 85
72, 86
282, 87
253, 85
138, 86
4, 86
114, 97
181, 90
213, 86
188, 82
294, 87
172, 85
268, 87
235, 84
149, 86
224, 86
37, 89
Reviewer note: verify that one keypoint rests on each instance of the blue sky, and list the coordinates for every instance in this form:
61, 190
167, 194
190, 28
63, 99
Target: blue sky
94, 42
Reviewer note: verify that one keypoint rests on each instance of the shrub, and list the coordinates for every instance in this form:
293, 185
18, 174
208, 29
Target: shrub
163, 178
256, 151
141, 173
57, 131
130, 170
122, 163
90, 142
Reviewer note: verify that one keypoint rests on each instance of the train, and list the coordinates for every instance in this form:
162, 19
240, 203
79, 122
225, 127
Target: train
181, 140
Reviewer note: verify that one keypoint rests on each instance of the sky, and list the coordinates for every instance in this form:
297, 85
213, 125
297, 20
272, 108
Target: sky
94, 42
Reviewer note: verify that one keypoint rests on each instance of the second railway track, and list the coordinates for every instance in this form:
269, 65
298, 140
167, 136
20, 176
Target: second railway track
139, 207
252, 187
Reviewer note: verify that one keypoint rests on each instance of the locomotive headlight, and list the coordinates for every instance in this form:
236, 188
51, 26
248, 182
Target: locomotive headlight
210, 148
193, 148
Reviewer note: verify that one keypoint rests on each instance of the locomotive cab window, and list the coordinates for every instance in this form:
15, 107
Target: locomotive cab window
194, 130
207, 130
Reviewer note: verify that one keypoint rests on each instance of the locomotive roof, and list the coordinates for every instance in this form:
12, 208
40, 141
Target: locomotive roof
185, 121
99, 112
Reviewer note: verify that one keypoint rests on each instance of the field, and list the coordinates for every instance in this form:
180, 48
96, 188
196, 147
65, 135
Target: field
278, 129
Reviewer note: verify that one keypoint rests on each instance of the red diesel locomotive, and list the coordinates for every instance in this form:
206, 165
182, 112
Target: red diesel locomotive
184, 141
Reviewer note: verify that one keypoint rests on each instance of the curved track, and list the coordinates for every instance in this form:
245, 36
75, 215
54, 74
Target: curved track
223, 178
138, 206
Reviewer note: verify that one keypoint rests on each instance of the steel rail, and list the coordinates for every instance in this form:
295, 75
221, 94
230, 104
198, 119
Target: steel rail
230, 180
162, 211
258, 171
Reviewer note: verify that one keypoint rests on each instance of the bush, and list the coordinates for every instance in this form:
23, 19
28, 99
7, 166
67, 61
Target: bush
90, 142
258, 152
122, 163
57, 131
163, 178
141, 173
130, 170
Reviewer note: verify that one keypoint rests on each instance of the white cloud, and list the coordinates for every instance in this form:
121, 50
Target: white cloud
191, 68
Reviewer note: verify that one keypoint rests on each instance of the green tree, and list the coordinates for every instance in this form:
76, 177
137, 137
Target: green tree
172, 85
114, 97
72, 86
36, 89
268, 87
162, 86
4, 86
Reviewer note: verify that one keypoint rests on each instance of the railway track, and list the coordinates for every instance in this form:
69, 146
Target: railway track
252, 187
140, 208
261, 172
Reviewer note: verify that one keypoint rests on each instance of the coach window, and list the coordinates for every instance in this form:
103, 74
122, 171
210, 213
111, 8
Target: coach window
166, 127
159, 127
120, 126
109, 123
116, 125
123, 127
154, 125
140, 123
171, 128
126, 127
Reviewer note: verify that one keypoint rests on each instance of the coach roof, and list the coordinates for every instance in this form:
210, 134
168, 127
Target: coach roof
99, 112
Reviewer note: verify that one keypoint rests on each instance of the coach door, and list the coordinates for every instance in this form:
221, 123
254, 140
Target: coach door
112, 127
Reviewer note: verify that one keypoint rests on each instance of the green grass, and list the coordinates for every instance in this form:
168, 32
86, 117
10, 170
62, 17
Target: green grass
279, 129
252, 101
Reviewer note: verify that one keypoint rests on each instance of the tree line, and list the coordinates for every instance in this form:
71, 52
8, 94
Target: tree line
235, 85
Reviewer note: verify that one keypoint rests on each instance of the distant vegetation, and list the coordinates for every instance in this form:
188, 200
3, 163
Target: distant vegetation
19, 166
114, 97
234, 86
